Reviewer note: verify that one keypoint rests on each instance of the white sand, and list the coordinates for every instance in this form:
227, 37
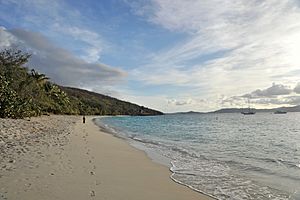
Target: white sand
81, 163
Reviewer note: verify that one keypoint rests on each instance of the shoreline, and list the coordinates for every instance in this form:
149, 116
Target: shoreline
131, 142
89, 164
153, 156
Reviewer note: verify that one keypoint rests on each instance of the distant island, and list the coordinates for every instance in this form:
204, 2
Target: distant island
239, 110
187, 113
27, 93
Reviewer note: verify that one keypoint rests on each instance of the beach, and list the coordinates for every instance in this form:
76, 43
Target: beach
59, 157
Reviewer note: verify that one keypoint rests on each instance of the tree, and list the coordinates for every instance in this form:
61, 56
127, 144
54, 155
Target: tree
41, 79
16, 100
11, 105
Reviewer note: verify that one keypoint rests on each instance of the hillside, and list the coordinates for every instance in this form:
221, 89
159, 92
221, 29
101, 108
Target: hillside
238, 110
99, 104
185, 113
27, 93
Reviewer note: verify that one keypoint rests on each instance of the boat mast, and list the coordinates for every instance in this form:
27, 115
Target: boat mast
249, 104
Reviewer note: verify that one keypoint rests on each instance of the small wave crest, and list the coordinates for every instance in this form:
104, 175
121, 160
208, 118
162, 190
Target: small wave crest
172, 169
145, 141
211, 175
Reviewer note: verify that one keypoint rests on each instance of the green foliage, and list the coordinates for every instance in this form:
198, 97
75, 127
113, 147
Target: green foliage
11, 105
91, 103
15, 102
25, 93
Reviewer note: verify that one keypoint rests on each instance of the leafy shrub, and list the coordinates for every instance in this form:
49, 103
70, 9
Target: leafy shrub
25, 93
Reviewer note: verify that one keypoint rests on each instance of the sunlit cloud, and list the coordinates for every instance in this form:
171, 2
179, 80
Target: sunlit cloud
273, 91
274, 96
232, 47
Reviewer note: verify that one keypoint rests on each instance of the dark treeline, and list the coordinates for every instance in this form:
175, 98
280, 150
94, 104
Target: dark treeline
26, 93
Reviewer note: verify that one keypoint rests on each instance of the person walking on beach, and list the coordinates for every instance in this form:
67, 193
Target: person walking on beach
83, 119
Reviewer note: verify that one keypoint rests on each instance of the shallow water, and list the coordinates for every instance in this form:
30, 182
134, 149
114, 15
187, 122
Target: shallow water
230, 156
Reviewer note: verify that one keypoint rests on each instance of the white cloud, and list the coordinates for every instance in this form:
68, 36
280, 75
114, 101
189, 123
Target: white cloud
274, 102
273, 91
297, 88
38, 12
274, 96
140, 7
60, 64
56, 19
180, 102
256, 42
293, 100
93, 43
6, 39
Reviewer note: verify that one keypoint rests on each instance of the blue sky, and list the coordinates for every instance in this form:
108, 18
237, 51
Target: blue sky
172, 55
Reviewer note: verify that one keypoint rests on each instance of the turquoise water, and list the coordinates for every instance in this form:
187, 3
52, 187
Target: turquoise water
229, 156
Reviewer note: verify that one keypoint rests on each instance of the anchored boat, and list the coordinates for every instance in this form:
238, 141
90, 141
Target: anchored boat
248, 111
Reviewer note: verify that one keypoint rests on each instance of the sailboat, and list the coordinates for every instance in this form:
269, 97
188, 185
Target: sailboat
248, 112
280, 112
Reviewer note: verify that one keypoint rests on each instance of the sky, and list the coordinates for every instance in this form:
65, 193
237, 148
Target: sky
170, 55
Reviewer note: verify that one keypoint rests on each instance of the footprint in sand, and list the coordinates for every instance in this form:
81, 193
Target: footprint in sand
93, 193
88, 151
97, 182
27, 186
2, 197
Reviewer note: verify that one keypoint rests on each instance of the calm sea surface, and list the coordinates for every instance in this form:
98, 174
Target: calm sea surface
229, 156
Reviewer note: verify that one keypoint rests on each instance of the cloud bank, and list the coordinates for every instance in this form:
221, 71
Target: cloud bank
59, 64
276, 95
273, 91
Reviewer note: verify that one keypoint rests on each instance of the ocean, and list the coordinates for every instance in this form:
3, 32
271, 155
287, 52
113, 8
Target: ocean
228, 156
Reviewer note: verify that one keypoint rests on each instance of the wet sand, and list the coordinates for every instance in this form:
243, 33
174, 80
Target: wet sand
58, 157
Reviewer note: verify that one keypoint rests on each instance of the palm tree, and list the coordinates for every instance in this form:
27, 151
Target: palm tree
40, 78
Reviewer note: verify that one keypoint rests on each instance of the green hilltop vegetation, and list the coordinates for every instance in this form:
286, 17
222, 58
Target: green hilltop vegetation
27, 93
93, 103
